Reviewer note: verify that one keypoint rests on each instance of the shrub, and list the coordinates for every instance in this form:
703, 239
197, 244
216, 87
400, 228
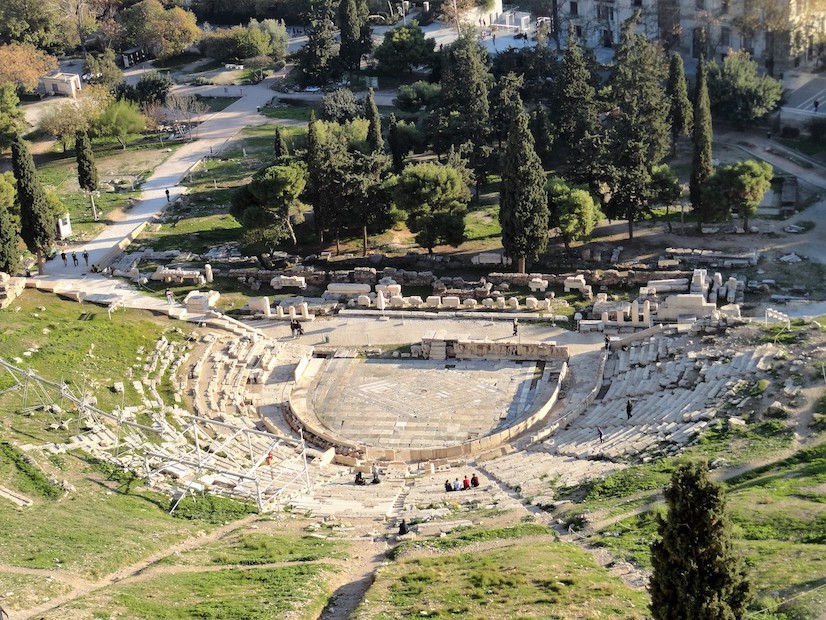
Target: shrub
341, 106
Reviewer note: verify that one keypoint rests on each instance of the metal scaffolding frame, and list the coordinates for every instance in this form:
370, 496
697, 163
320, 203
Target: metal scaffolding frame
242, 462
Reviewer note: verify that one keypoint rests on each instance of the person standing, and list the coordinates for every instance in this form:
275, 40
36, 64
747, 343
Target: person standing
599, 432
516, 327
816, 103
167, 194
63, 256
170, 297
629, 406
74, 259
86, 257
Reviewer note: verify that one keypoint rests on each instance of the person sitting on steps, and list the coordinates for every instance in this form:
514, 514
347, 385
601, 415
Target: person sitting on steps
403, 529
448, 486
360, 478
474, 481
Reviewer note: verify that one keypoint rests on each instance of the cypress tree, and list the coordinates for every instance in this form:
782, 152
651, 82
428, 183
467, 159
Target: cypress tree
349, 21
701, 166
394, 141
316, 60
679, 107
9, 254
280, 144
374, 140
523, 202
37, 222
504, 102
638, 124
314, 159
87, 172
697, 572
541, 131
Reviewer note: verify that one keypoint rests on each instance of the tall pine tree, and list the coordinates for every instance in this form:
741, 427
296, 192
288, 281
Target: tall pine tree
349, 21
464, 112
87, 172
504, 102
701, 165
374, 140
578, 144
396, 144
638, 124
523, 203
314, 157
37, 222
541, 130
698, 575
317, 60
279, 145
679, 107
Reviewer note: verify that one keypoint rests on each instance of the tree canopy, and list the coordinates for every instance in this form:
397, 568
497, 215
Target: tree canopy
11, 116
578, 143
23, 65
679, 107
317, 63
404, 48
119, 120
265, 206
572, 209
435, 199
523, 203
739, 188
37, 220
163, 32
698, 574
639, 132
738, 93
701, 163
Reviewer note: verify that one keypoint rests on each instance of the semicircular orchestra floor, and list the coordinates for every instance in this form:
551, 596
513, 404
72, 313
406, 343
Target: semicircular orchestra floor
422, 403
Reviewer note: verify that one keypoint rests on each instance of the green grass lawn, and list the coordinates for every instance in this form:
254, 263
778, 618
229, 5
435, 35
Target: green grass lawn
195, 234
298, 591
77, 344
290, 112
524, 579
252, 549
216, 104
91, 531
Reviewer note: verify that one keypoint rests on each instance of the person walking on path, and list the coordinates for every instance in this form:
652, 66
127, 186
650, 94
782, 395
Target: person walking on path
86, 257
167, 194
63, 256
599, 432
74, 258
629, 406
516, 327
816, 103
170, 297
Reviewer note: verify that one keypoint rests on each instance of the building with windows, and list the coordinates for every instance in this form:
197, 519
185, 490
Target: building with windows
780, 34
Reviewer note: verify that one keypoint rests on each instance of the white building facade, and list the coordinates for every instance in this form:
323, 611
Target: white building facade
780, 34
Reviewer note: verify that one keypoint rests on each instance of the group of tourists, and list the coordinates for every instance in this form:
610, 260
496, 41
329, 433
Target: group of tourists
462, 485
